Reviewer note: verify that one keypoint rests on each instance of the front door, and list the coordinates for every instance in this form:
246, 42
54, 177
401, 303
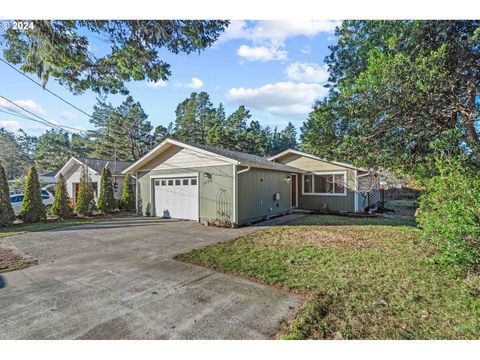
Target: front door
294, 190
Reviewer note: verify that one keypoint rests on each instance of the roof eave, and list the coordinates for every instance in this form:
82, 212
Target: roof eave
155, 151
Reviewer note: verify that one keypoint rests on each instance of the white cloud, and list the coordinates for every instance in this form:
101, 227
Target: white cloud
277, 31
262, 53
29, 105
306, 50
269, 36
281, 98
308, 72
10, 125
68, 115
195, 83
156, 84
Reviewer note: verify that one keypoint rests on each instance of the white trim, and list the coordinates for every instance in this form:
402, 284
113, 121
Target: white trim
154, 152
235, 194
313, 173
296, 152
355, 209
195, 174
152, 189
296, 191
183, 167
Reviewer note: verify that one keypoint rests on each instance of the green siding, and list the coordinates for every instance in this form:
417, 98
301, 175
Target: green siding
216, 194
334, 203
256, 189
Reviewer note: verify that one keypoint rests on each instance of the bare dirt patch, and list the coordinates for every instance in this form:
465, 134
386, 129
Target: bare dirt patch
12, 259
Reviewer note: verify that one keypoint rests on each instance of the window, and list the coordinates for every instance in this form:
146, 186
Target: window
193, 182
16, 199
325, 184
185, 181
157, 183
177, 182
170, 182
164, 182
307, 184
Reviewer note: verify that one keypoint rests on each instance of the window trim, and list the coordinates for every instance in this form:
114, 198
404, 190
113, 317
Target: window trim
313, 173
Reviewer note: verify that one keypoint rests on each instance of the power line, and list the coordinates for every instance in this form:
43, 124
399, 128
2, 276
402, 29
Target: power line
44, 88
42, 120
13, 113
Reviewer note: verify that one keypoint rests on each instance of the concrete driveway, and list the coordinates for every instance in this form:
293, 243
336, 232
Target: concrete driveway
118, 280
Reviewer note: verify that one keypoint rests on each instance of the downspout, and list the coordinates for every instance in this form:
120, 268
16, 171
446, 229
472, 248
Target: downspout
136, 191
235, 184
244, 170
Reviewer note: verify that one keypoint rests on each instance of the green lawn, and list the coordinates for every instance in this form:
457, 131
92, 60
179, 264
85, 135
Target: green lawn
364, 279
47, 225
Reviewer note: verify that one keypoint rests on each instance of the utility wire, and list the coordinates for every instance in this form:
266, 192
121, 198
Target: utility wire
44, 88
42, 120
13, 113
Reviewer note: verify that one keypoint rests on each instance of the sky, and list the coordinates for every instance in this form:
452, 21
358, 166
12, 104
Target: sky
275, 68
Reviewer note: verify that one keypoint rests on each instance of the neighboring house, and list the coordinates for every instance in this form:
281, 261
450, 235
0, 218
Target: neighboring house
48, 178
330, 185
219, 186
72, 171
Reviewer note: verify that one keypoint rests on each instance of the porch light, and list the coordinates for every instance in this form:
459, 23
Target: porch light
208, 176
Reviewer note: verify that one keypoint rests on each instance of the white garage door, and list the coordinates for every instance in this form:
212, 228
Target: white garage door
176, 198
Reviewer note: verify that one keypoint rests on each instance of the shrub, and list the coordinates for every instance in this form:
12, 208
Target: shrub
449, 214
33, 209
7, 216
106, 199
61, 203
127, 201
85, 196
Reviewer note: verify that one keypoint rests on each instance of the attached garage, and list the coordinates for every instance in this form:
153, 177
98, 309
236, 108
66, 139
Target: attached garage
176, 197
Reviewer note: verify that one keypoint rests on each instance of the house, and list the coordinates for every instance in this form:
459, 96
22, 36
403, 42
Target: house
330, 185
72, 171
48, 177
219, 186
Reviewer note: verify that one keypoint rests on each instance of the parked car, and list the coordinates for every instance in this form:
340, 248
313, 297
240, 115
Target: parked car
16, 201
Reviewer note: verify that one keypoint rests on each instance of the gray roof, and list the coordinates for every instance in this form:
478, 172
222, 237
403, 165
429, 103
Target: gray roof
247, 159
99, 164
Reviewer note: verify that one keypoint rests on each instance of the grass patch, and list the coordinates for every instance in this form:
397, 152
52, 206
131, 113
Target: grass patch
47, 225
12, 259
367, 278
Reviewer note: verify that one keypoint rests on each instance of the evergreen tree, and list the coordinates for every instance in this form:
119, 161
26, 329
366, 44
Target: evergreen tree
195, 117
127, 201
13, 156
216, 130
61, 203
85, 197
33, 209
53, 150
288, 138
106, 199
7, 215
122, 132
